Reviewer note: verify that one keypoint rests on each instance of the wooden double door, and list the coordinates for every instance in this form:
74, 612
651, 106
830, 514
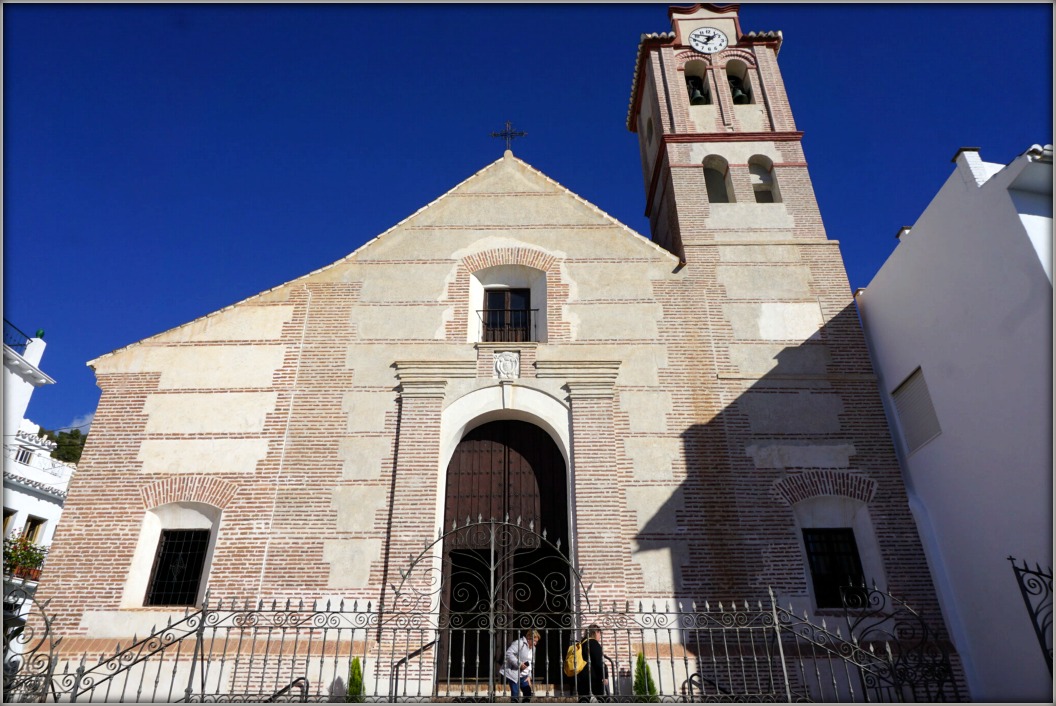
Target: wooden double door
501, 577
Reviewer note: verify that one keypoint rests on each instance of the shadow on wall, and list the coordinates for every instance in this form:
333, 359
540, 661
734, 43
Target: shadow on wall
804, 446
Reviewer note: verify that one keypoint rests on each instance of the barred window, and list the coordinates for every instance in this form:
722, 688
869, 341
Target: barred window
834, 564
178, 565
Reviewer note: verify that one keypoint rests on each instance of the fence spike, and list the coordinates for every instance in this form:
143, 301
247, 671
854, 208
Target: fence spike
84, 659
300, 605
273, 604
260, 604
746, 606
135, 638
558, 545
679, 604
890, 657
368, 606
341, 606
531, 525
640, 608
823, 625
168, 622
355, 606
287, 603
480, 518
707, 606
116, 649
654, 606
544, 533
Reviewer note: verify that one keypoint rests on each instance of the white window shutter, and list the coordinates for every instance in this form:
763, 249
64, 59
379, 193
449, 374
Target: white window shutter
916, 414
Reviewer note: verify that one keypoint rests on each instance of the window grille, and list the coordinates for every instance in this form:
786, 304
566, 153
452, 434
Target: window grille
834, 564
178, 565
23, 455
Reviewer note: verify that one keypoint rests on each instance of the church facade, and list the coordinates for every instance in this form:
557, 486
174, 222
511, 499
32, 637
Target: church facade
692, 414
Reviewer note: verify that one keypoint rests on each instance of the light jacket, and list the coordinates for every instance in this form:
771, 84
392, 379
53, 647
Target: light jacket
516, 654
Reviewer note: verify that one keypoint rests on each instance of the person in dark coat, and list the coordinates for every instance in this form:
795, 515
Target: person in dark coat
594, 679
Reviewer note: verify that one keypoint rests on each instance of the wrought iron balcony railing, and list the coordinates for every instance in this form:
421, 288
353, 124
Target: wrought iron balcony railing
14, 338
509, 325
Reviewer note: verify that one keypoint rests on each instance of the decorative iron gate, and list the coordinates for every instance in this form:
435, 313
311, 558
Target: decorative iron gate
236, 651
1036, 586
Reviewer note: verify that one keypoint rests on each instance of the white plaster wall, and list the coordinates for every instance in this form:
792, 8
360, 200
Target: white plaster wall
17, 389
26, 502
965, 297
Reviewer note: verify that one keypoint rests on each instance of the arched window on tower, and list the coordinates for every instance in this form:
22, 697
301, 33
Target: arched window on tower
717, 180
740, 82
764, 181
697, 83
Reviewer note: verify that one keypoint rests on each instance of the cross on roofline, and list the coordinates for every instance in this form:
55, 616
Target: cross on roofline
509, 134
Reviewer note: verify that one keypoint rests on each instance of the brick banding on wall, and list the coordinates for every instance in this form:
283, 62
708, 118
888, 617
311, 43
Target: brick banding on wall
809, 484
193, 489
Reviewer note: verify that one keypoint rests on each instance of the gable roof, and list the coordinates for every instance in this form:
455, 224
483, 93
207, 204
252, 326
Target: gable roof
507, 178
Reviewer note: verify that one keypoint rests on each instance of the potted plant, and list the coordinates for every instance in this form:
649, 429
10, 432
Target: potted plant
22, 557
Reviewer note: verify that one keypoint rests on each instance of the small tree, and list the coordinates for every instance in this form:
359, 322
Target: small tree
354, 694
644, 688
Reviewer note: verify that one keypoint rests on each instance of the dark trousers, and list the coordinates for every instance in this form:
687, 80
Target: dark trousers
520, 687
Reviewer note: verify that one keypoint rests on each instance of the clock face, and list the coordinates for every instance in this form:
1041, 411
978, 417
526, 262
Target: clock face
708, 40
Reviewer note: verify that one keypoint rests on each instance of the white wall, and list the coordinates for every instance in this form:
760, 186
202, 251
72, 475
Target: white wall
966, 298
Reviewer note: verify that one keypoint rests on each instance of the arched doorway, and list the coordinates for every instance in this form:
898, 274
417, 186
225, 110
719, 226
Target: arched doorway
493, 586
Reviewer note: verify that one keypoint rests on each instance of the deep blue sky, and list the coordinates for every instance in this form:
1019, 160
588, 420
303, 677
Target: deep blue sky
164, 161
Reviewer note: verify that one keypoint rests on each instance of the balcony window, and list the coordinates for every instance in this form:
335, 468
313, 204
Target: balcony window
23, 455
507, 315
34, 529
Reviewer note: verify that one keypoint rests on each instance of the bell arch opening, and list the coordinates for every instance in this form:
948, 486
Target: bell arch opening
496, 586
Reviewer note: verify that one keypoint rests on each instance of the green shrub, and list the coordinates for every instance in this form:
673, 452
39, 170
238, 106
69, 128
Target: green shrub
644, 688
355, 682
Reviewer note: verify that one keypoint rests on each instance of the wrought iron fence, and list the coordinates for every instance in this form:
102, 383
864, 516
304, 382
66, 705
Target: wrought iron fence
1036, 587
413, 647
15, 338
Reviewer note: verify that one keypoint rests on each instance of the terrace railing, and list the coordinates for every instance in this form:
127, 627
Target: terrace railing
14, 338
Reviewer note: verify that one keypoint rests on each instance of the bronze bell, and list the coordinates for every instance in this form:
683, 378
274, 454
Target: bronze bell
737, 91
697, 96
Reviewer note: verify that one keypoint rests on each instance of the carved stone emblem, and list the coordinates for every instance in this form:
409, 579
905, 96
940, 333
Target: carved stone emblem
508, 365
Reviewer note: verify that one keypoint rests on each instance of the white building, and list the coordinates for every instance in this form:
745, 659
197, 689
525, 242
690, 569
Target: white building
35, 484
959, 323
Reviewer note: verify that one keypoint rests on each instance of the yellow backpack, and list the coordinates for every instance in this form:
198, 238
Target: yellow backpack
574, 661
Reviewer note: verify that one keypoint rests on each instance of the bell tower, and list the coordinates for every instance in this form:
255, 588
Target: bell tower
765, 341
721, 156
